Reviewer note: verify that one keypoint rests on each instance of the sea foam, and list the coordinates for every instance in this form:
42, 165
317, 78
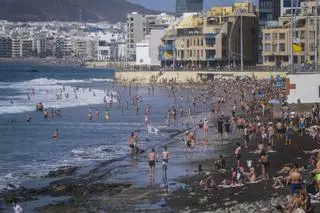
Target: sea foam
45, 91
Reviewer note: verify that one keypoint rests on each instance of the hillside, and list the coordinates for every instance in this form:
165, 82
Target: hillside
68, 10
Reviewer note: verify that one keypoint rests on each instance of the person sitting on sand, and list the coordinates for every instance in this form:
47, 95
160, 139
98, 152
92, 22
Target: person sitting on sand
251, 176
207, 182
264, 163
220, 163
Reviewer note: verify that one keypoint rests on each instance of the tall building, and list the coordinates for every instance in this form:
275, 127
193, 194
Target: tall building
269, 10
5, 47
26, 48
269, 13
135, 33
286, 6
187, 6
15, 47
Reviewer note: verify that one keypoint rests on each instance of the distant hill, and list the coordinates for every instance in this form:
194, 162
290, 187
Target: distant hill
69, 10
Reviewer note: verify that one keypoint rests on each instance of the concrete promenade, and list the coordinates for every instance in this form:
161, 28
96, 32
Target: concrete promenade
145, 77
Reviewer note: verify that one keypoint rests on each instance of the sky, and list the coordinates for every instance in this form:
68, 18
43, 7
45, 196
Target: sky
169, 5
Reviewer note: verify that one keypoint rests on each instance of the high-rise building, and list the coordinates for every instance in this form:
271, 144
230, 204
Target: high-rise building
135, 33
188, 6
5, 47
269, 10
286, 6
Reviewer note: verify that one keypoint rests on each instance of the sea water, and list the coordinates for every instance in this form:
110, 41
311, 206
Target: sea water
27, 150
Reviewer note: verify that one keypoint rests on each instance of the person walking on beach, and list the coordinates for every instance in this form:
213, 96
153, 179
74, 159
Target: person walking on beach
227, 129
206, 129
165, 160
220, 129
152, 157
237, 153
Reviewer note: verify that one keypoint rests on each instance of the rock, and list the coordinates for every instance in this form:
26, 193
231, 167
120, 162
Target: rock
62, 172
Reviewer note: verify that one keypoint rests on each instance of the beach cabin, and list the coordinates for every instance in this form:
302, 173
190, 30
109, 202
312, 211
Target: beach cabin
304, 87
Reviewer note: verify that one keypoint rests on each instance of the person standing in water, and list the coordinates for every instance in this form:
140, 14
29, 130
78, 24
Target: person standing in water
146, 120
132, 141
152, 157
29, 117
165, 160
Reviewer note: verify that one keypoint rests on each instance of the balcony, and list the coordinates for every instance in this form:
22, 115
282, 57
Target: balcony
210, 36
167, 47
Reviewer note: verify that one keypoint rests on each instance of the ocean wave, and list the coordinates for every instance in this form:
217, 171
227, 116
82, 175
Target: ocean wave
100, 152
45, 91
101, 79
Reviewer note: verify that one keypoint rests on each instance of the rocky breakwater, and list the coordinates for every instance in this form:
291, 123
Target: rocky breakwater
83, 192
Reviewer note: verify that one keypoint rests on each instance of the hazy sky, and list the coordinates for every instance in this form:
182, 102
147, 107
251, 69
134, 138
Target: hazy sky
169, 5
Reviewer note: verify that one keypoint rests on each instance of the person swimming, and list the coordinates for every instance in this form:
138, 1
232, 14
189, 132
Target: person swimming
90, 116
29, 117
55, 134
107, 114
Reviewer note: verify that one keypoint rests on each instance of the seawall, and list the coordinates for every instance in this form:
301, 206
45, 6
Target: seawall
145, 77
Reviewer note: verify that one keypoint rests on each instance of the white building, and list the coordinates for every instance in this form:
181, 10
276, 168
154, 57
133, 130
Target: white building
157, 33
15, 47
103, 50
142, 53
304, 86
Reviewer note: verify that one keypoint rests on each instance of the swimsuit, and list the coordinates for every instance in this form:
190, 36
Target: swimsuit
165, 162
152, 163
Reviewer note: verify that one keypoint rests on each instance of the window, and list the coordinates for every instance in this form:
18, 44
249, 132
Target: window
201, 42
311, 47
303, 34
282, 36
274, 48
198, 42
188, 43
267, 36
303, 46
282, 47
267, 48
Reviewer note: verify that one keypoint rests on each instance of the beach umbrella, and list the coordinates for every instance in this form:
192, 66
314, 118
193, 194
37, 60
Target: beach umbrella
274, 102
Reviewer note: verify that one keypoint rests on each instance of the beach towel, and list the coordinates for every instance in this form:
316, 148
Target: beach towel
231, 186
253, 182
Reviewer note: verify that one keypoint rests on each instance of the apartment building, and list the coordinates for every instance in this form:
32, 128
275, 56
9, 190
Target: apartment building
277, 41
212, 38
136, 31
5, 47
